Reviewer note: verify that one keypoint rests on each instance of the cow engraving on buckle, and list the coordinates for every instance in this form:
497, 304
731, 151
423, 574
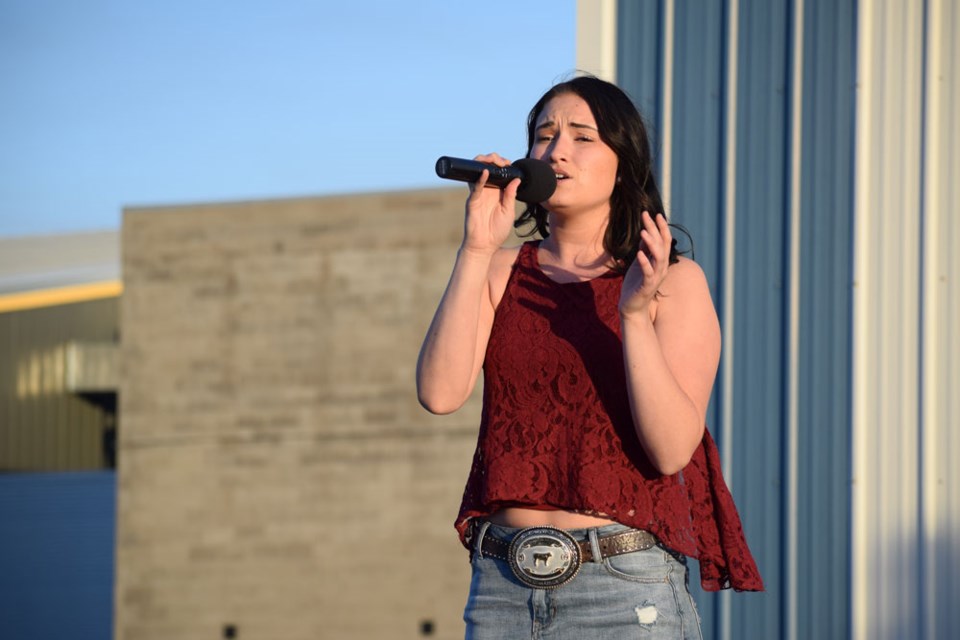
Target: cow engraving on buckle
544, 557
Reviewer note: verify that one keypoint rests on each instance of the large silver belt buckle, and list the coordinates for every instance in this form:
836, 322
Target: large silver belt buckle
544, 557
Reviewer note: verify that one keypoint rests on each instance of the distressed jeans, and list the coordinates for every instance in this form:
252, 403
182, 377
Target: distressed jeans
635, 595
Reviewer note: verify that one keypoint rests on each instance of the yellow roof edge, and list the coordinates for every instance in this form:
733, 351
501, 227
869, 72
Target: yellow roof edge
60, 295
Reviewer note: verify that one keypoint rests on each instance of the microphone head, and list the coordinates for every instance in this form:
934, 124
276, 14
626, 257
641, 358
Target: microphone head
539, 180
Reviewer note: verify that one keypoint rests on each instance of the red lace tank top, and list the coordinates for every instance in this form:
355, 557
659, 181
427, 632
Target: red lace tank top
556, 430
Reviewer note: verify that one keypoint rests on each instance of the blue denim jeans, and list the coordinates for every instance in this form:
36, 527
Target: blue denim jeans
635, 595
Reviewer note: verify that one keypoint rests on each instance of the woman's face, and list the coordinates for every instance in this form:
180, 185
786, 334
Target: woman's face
566, 136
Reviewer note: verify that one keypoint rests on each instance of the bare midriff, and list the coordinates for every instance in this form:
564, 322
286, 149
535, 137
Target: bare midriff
519, 517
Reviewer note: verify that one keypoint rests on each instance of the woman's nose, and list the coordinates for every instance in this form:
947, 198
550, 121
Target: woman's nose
558, 148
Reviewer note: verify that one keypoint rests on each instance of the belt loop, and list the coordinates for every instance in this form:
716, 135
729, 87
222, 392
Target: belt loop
594, 544
481, 531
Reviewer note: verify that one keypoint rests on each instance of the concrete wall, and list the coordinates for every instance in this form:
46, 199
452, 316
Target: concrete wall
277, 477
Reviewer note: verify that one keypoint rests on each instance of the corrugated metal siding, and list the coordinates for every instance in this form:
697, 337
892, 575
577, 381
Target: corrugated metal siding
886, 331
767, 195
907, 366
940, 412
822, 523
696, 194
757, 418
639, 60
643, 67
56, 554
821, 137
43, 426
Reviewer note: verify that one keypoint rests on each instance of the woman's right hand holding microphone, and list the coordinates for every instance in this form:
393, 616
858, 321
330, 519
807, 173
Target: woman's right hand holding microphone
489, 212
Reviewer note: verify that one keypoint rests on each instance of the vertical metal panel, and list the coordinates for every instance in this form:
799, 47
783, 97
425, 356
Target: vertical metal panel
886, 429
697, 132
872, 377
703, 188
762, 130
760, 298
639, 61
596, 37
940, 375
43, 426
696, 199
791, 455
56, 550
822, 523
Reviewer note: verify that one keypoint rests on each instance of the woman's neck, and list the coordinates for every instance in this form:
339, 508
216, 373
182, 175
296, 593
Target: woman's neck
577, 243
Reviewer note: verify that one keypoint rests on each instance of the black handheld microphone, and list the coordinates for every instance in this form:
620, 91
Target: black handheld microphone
537, 180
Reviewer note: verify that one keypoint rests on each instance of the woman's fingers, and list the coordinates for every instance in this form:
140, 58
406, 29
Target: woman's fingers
493, 158
487, 158
656, 236
490, 158
480, 183
645, 276
509, 196
489, 212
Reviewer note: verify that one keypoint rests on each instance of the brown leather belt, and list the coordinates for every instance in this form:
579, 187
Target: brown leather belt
548, 558
613, 545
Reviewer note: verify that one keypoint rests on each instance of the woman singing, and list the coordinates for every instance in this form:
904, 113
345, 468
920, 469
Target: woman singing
594, 476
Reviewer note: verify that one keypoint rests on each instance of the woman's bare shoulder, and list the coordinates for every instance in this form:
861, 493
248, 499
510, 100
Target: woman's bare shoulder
684, 274
684, 289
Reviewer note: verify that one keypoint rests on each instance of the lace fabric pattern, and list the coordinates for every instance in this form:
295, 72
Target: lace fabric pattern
556, 430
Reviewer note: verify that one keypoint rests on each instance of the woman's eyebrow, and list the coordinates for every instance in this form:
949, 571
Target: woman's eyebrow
576, 125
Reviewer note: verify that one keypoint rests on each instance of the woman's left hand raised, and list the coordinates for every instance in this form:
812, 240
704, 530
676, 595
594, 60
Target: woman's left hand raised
646, 274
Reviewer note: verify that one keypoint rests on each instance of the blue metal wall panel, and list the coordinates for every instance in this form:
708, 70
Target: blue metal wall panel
826, 315
639, 60
758, 451
696, 201
697, 196
760, 301
56, 555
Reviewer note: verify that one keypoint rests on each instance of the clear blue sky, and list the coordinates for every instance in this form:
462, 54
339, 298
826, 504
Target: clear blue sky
113, 103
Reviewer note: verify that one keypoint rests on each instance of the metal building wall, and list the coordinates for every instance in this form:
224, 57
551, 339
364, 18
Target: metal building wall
44, 425
753, 105
906, 533
940, 325
811, 148
818, 571
56, 553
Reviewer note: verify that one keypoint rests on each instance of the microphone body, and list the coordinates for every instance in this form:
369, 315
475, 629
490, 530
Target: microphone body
537, 180
469, 171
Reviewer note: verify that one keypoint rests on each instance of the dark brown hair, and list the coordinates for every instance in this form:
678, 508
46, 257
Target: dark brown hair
621, 127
